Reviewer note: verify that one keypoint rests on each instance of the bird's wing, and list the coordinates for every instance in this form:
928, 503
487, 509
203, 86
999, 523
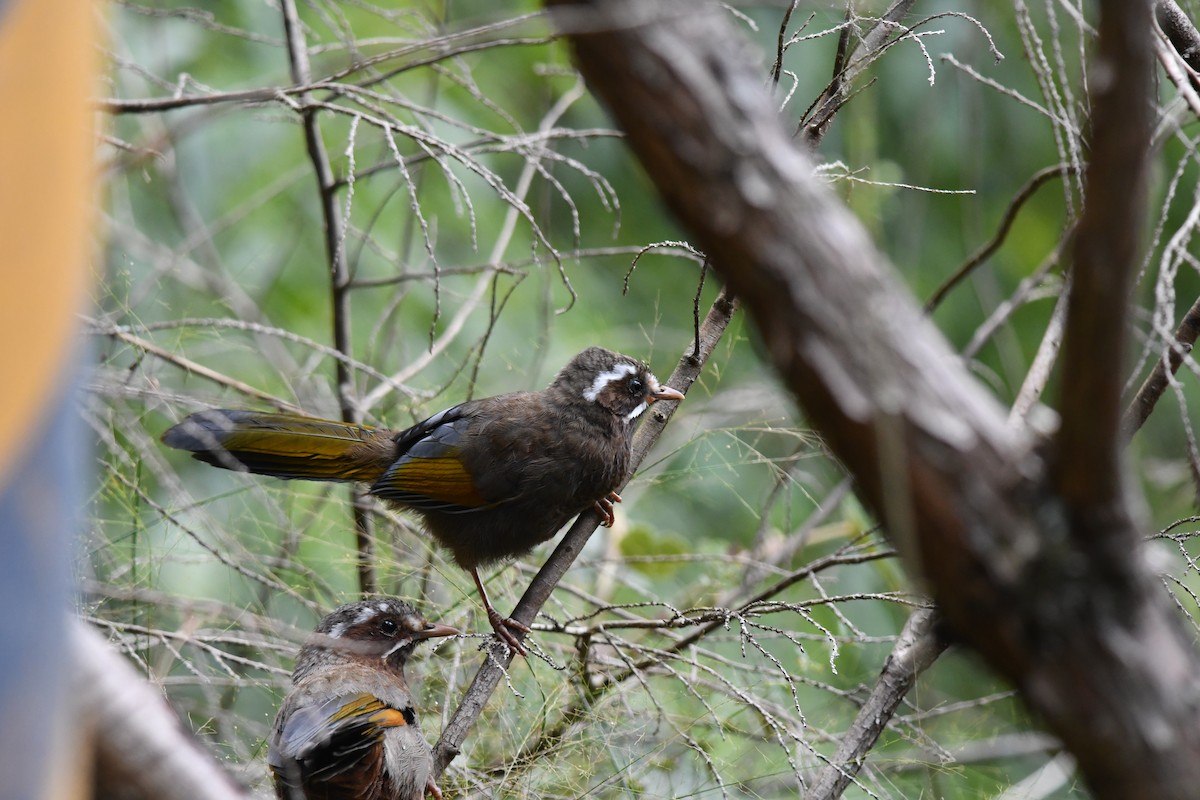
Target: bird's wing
431, 472
320, 742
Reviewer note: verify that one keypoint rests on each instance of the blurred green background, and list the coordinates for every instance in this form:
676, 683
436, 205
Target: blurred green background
492, 221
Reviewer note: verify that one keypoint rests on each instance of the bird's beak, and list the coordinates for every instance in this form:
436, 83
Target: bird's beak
664, 393
433, 630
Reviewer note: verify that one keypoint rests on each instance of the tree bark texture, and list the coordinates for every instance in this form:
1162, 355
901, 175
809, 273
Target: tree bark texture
1033, 565
139, 749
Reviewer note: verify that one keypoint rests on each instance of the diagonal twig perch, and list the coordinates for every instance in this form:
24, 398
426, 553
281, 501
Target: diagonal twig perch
492, 670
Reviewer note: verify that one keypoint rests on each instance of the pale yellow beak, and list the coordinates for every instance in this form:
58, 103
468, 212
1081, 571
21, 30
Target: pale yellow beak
664, 393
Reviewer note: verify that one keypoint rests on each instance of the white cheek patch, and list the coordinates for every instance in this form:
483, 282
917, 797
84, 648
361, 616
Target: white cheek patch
605, 378
637, 412
632, 415
394, 648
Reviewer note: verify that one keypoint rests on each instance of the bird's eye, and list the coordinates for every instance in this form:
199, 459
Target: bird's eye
636, 388
388, 626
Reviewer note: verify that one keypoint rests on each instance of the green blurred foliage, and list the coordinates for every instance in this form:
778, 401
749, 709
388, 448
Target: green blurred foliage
215, 253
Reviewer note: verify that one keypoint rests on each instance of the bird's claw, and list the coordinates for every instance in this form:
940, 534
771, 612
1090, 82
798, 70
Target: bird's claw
432, 789
505, 627
604, 507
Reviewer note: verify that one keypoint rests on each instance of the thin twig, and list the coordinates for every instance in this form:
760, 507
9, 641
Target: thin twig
1157, 381
441, 46
1039, 371
992, 245
553, 734
201, 370
339, 275
492, 670
849, 64
517, 209
777, 67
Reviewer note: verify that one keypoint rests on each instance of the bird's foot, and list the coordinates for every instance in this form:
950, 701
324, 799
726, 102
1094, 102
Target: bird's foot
432, 789
506, 628
604, 507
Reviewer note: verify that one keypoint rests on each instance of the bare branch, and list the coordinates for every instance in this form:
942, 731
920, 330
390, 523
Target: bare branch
992, 245
1156, 382
849, 64
915, 651
1185, 39
200, 370
1106, 255
425, 52
141, 749
578, 710
339, 276
1181, 33
1087, 636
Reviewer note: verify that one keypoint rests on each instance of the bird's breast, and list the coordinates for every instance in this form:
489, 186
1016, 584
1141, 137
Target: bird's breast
408, 762
536, 464
546, 454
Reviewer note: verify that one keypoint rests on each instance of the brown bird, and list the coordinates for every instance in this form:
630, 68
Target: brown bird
492, 478
347, 729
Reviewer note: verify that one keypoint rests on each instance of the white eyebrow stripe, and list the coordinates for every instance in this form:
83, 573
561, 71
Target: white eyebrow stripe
364, 614
605, 378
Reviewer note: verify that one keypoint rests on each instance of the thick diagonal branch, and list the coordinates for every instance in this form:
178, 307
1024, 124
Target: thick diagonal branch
1085, 634
916, 649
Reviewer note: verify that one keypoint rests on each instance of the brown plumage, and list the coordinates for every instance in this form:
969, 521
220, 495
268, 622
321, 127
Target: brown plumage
347, 729
492, 478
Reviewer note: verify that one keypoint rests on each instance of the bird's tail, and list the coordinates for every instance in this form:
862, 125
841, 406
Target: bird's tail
284, 446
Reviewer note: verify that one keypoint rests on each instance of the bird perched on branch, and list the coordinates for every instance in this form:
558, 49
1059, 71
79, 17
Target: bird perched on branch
347, 730
492, 478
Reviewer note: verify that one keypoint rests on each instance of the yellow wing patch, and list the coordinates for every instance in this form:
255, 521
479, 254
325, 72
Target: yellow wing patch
373, 709
433, 481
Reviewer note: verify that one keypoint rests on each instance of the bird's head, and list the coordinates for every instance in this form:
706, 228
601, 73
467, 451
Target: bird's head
623, 386
381, 630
